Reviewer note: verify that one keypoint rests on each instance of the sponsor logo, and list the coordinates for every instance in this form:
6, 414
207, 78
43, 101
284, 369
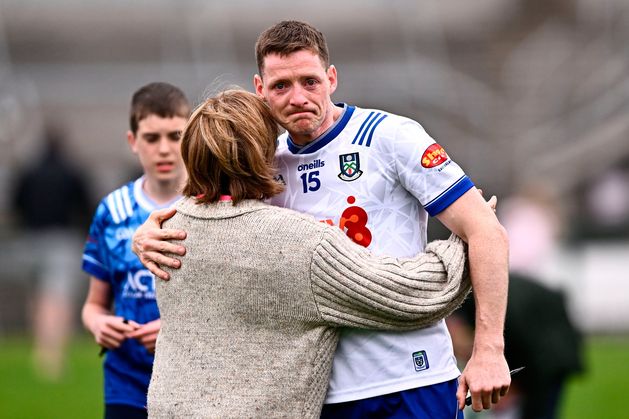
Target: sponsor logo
350, 167
139, 285
123, 233
435, 155
309, 166
420, 361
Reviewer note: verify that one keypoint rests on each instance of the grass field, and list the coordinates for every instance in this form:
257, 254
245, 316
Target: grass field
601, 391
597, 394
24, 395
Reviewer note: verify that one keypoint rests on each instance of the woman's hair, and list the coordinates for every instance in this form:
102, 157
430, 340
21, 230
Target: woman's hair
228, 147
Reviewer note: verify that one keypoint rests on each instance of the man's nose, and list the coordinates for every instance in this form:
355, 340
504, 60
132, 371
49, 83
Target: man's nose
298, 97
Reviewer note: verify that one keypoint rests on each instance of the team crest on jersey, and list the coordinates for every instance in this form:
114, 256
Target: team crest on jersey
350, 167
434, 156
420, 361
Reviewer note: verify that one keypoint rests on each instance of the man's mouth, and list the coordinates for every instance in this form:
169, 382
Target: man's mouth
301, 114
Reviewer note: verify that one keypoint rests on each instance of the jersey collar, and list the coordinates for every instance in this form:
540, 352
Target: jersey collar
327, 136
144, 201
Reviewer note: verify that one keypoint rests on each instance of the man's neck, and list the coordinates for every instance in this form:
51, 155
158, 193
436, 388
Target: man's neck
162, 192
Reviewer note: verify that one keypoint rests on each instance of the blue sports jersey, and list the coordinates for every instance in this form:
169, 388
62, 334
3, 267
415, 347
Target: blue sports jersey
108, 257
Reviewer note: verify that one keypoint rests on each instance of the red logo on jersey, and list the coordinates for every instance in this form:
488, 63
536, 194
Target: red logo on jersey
434, 156
354, 224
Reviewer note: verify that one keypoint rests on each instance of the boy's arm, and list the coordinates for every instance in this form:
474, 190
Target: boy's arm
146, 334
486, 374
108, 330
150, 242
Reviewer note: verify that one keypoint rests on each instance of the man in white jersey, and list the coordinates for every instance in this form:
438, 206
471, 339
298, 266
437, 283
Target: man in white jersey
377, 176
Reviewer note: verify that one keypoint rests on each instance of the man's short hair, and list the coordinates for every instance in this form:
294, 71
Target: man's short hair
161, 99
290, 36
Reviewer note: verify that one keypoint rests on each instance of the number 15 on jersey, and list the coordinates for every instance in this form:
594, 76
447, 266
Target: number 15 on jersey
310, 181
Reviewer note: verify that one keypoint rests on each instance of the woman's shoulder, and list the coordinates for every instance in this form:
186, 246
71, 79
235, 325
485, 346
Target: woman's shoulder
293, 219
263, 212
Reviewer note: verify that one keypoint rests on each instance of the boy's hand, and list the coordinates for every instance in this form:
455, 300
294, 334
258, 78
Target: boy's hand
150, 242
109, 331
147, 334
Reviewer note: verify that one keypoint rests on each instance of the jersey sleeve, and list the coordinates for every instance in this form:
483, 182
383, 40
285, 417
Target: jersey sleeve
95, 261
425, 169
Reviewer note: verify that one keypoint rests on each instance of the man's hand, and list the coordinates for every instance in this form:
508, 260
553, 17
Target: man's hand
150, 242
491, 202
486, 376
147, 334
109, 331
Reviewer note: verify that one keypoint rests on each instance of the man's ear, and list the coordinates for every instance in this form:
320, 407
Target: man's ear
332, 78
132, 141
258, 84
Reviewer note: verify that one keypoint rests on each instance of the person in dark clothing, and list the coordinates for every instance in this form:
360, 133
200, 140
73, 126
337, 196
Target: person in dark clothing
52, 205
52, 193
540, 336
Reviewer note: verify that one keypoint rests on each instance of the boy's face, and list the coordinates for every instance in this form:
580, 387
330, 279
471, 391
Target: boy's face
157, 144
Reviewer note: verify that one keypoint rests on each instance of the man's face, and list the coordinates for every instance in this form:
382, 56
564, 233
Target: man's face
157, 144
297, 89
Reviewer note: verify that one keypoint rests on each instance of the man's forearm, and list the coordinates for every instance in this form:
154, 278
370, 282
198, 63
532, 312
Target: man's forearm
488, 258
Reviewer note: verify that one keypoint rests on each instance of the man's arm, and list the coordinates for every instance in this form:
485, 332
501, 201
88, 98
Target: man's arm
486, 375
150, 242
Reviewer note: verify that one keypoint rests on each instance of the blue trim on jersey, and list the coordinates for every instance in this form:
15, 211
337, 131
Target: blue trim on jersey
362, 137
448, 196
94, 268
325, 139
368, 127
373, 129
362, 127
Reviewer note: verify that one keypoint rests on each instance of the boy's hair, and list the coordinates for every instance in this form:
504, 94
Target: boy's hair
290, 36
228, 147
161, 99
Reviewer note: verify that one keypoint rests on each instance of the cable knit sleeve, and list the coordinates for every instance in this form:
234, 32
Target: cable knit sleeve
355, 288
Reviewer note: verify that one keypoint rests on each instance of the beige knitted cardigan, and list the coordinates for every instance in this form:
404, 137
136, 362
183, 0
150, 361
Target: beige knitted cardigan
250, 321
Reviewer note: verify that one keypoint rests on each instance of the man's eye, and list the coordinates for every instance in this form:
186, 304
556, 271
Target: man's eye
280, 86
311, 82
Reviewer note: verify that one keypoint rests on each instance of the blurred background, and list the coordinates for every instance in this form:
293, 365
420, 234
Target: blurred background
530, 97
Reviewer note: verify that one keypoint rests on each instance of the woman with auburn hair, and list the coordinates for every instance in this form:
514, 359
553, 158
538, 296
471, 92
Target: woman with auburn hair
251, 320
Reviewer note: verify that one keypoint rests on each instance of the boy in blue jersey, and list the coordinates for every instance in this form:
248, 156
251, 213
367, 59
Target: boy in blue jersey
378, 176
120, 310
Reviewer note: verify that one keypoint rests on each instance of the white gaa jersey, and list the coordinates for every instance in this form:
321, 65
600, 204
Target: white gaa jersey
377, 176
